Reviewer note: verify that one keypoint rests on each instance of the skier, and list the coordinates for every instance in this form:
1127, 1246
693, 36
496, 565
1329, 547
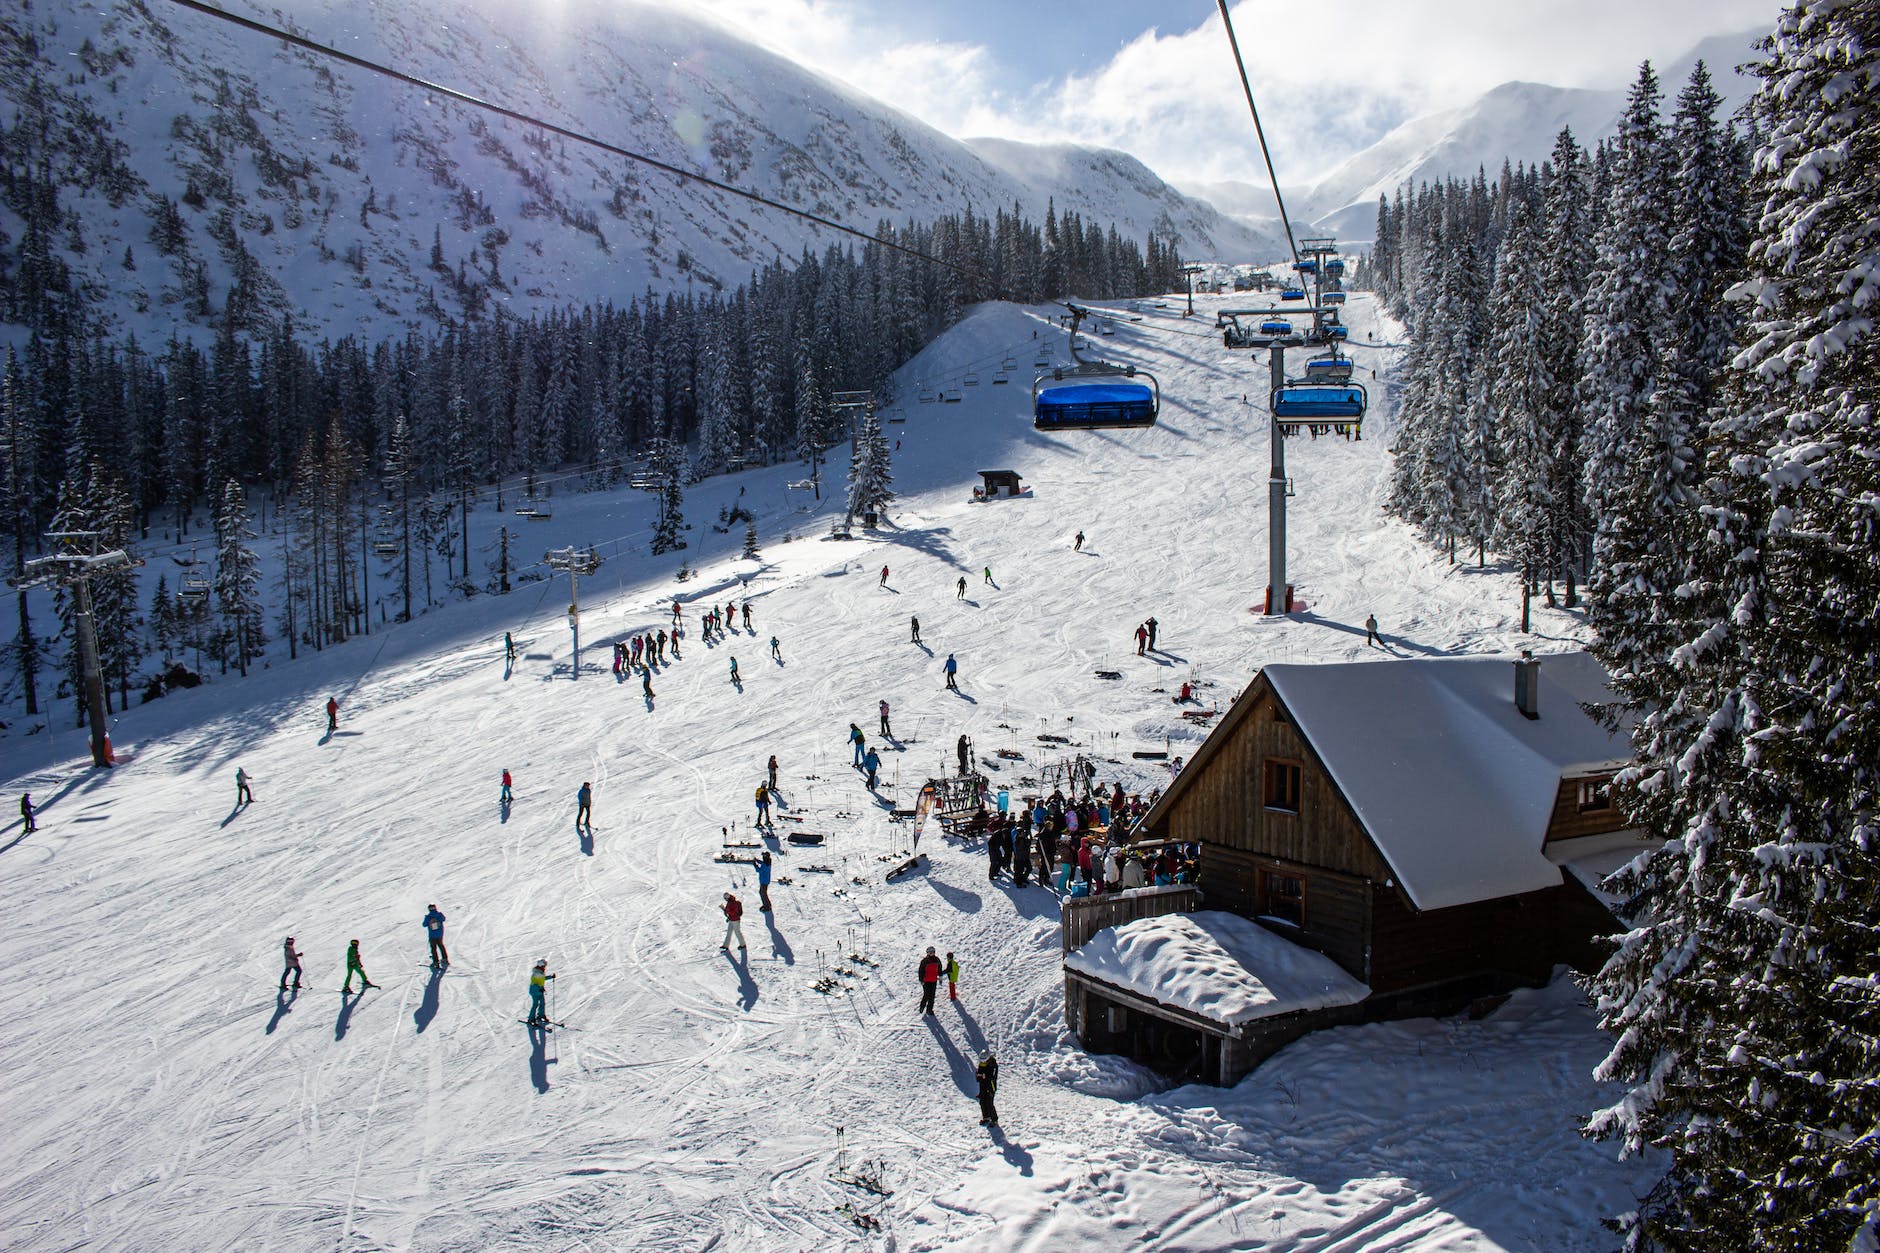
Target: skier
290, 959
332, 714
509, 647
987, 1072
1370, 631
507, 795
243, 794
885, 732
646, 681
776, 653
747, 615
355, 966
734, 670
929, 980
1079, 545
856, 740
763, 883
962, 586
1150, 625
733, 910
434, 931
675, 613
538, 993
872, 764
763, 806
884, 577
915, 623
953, 979
1142, 639
583, 810
989, 576
953, 669
963, 748
659, 644
27, 819
773, 772
678, 633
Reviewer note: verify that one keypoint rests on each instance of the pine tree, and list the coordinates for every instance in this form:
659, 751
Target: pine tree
238, 578
869, 469
1745, 1001
1565, 261
750, 552
669, 469
1516, 390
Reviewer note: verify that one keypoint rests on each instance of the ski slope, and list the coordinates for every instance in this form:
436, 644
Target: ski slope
160, 1096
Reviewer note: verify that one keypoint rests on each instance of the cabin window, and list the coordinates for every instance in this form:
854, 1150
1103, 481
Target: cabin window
1280, 788
1282, 896
1596, 794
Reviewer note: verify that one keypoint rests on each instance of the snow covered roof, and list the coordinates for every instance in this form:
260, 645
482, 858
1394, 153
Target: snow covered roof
1454, 784
1218, 965
1590, 858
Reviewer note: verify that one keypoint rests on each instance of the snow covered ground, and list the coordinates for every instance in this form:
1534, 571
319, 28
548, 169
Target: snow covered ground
160, 1096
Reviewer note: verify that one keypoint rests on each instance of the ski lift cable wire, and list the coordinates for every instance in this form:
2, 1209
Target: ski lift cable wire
1258, 130
568, 132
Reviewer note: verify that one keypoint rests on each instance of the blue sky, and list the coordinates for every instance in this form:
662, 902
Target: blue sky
1155, 78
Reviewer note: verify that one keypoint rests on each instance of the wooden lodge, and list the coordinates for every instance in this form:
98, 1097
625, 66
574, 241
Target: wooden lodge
1435, 827
999, 483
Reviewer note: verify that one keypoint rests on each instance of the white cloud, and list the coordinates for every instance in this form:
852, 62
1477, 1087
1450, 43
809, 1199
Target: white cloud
1328, 81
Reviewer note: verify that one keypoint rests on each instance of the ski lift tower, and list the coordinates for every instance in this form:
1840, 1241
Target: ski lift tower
73, 566
1191, 271
577, 562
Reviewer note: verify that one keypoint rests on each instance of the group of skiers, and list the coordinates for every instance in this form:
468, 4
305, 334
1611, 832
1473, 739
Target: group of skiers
1145, 637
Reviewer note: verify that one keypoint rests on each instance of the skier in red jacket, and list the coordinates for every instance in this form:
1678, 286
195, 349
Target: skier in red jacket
930, 968
733, 910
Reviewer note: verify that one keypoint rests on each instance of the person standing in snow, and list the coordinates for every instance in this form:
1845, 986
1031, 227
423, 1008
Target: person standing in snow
872, 764
773, 772
987, 1073
509, 647
914, 623
856, 740
659, 646
1150, 625
434, 931
963, 749
886, 734
884, 577
243, 794
507, 795
355, 966
763, 883
646, 678
989, 581
953, 670
332, 714
734, 670
763, 806
583, 807
27, 818
747, 614
1370, 631
1142, 639
1079, 545
953, 979
962, 586
929, 980
776, 651
538, 994
733, 910
1021, 857
290, 963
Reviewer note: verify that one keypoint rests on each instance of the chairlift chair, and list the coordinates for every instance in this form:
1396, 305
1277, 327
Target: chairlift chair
1308, 266
926, 396
951, 398
971, 380
1276, 326
1042, 363
1332, 369
1336, 331
1010, 363
1332, 298
195, 587
999, 379
1334, 266
1292, 293
1106, 327
385, 547
1296, 402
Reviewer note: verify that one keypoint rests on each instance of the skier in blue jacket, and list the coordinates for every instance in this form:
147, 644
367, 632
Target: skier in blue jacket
953, 670
434, 928
763, 882
871, 763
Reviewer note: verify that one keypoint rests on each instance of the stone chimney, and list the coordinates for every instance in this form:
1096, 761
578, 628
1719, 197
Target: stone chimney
1527, 685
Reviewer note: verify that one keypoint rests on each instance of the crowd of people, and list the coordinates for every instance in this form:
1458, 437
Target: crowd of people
1079, 848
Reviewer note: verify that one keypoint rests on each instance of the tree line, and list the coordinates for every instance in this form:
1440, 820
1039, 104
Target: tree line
1655, 367
372, 454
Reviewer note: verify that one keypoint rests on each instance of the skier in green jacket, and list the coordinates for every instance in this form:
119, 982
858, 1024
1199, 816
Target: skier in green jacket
354, 966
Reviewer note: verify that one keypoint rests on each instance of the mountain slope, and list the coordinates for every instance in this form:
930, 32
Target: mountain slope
199, 165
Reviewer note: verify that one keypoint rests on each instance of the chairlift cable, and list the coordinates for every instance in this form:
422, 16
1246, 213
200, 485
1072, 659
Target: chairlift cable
1259, 130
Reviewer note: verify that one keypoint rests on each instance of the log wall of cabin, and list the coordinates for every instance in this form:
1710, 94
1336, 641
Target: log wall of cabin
1225, 805
1567, 821
1337, 906
1521, 936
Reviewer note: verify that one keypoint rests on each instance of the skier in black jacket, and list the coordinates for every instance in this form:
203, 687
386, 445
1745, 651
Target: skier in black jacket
987, 1072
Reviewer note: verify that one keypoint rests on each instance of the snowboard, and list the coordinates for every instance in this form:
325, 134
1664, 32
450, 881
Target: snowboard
905, 866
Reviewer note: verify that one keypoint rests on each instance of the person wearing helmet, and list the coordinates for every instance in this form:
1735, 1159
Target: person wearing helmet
355, 966
434, 929
733, 910
538, 991
930, 967
987, 1072
291, 963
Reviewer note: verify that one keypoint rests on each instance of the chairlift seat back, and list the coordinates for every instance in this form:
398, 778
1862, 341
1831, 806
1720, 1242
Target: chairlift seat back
1317, 400
1094, 406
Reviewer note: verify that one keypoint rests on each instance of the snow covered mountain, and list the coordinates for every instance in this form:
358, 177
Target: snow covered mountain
196, 163
1516, 121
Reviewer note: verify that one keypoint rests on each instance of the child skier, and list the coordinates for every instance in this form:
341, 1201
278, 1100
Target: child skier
355, 966
885, 732
953, 978
290, 957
